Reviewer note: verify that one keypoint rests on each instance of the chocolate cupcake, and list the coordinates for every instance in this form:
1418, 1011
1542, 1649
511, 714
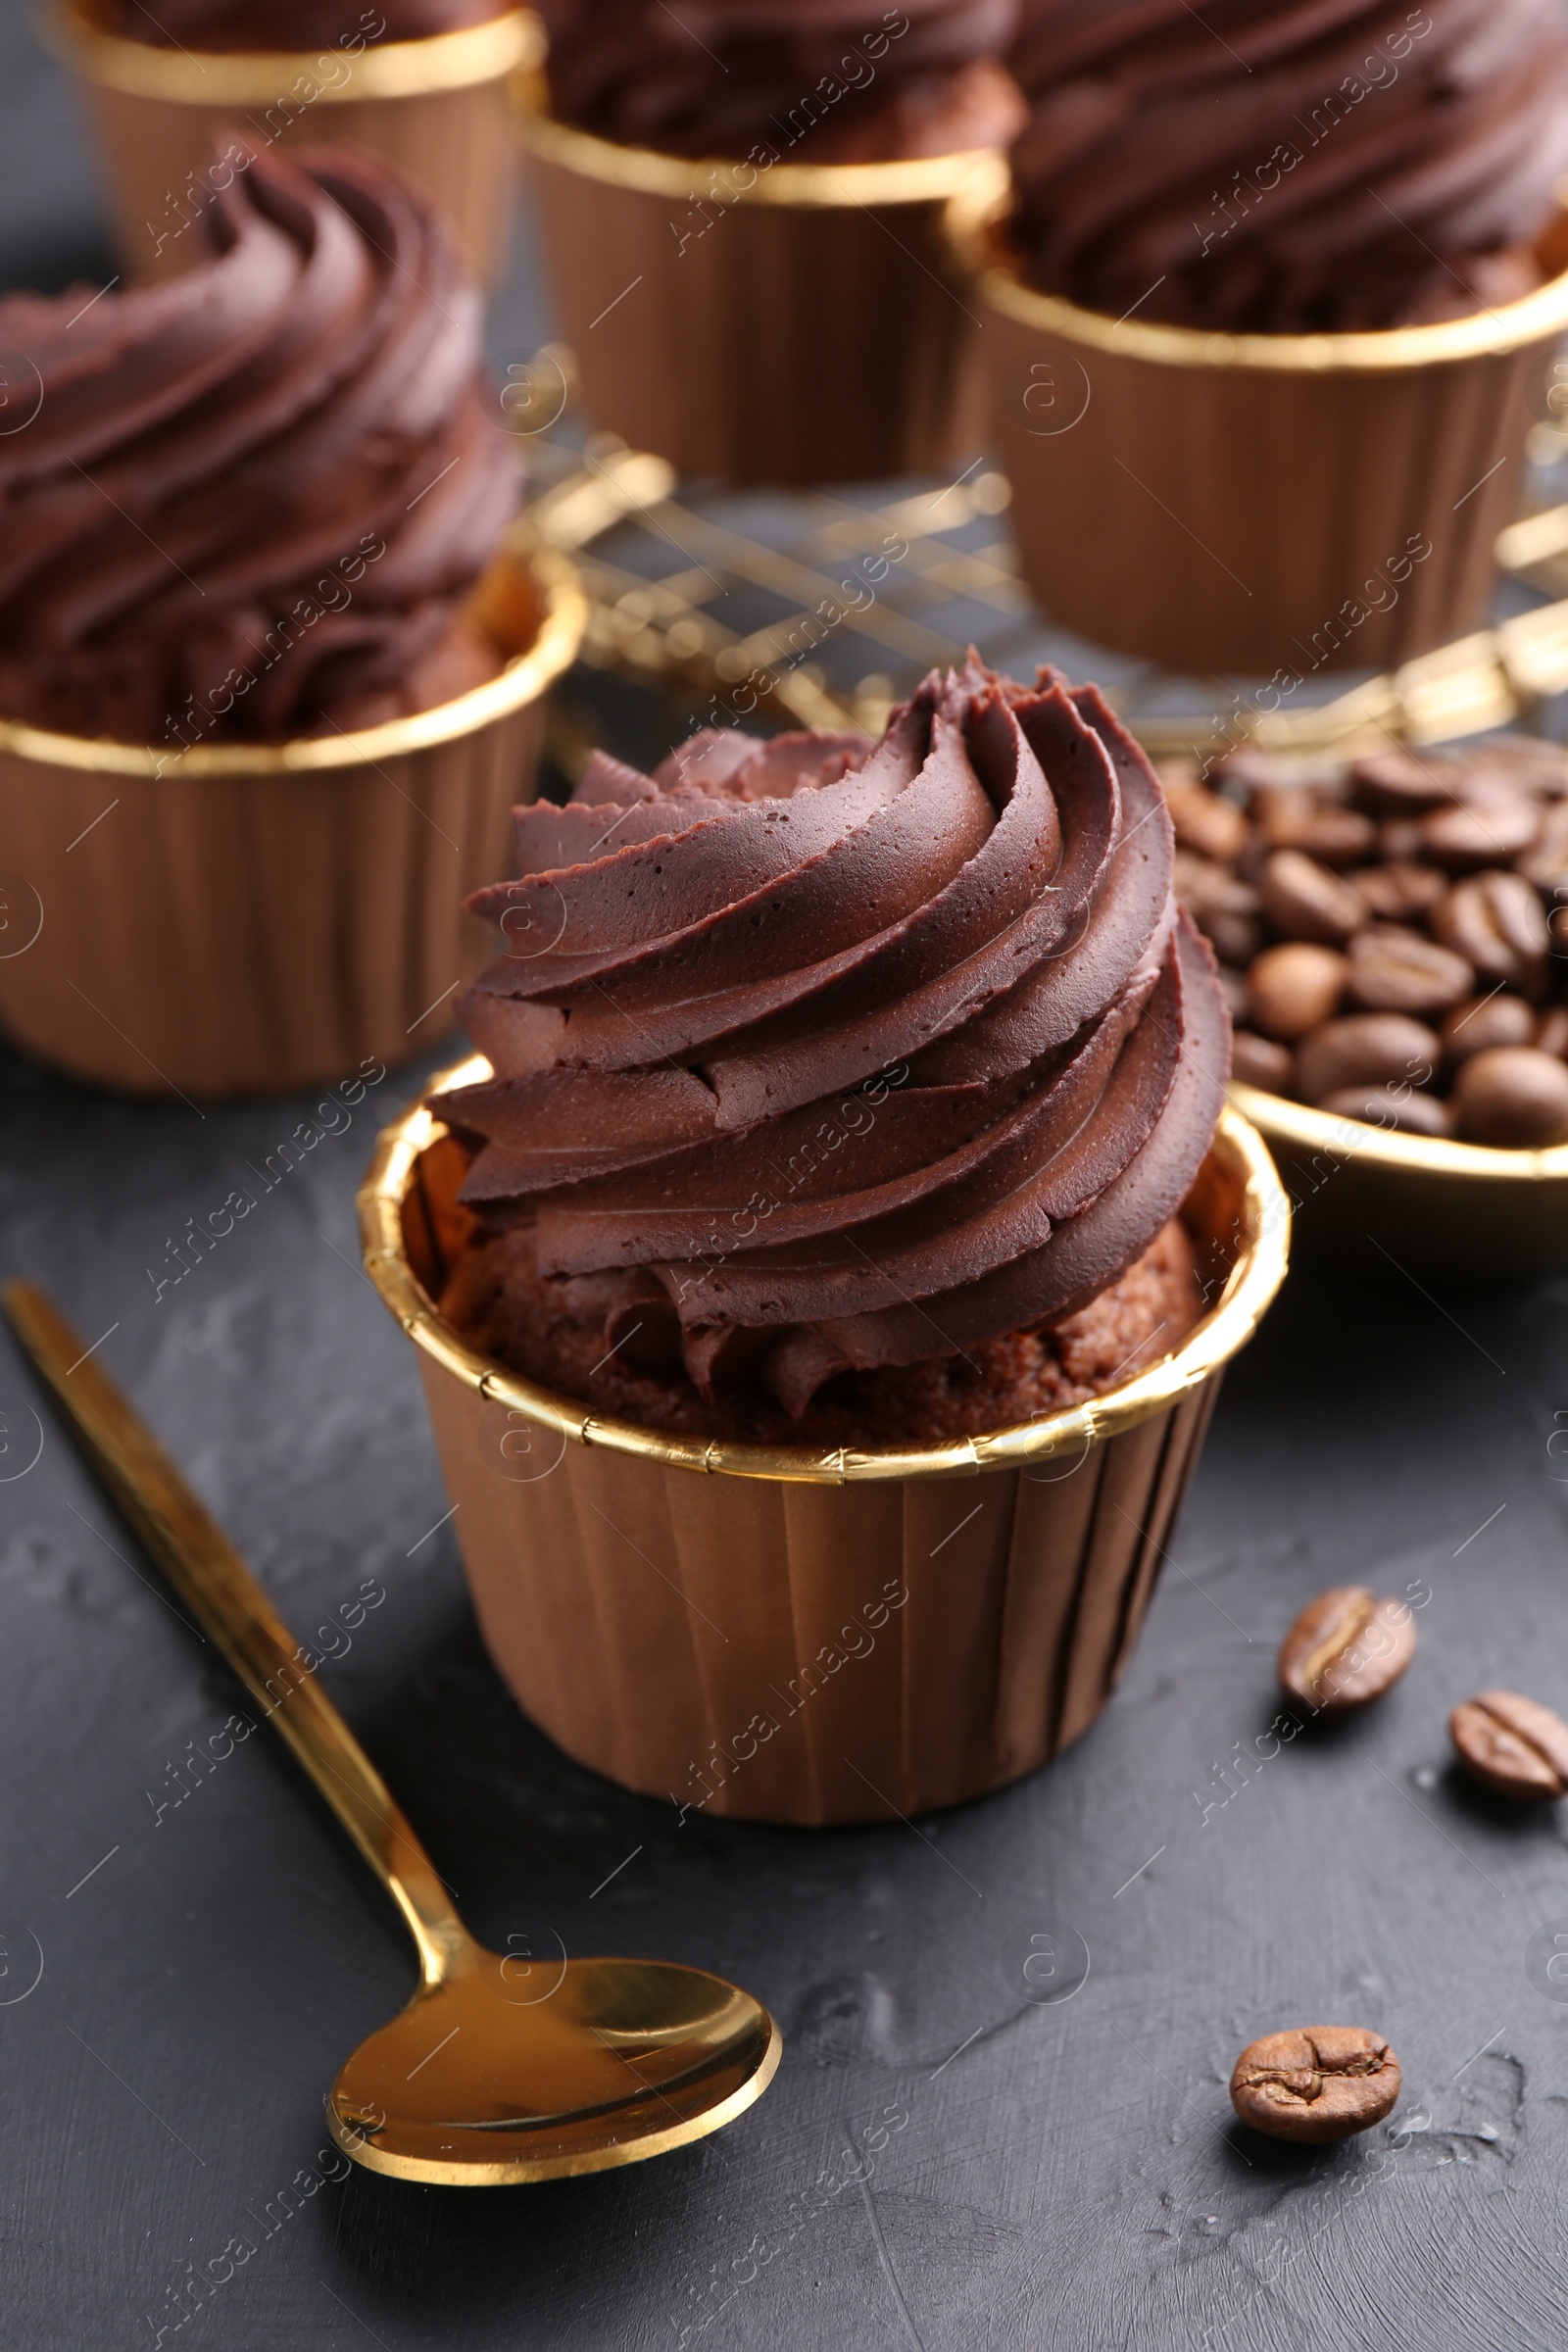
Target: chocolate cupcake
849, 1115
741, 203
253, 571
419, 83
1275, 292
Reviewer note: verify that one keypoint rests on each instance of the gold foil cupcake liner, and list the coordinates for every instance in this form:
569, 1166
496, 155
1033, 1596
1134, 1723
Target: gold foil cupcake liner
788, 1634
243, 919
436, 108
784, 325
1263, 504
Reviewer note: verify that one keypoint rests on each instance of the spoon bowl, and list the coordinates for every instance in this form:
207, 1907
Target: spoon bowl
482, 2080
500, 2069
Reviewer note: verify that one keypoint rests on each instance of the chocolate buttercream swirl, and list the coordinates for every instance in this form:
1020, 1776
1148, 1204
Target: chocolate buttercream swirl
815, 1059
1310, 165
816, 80
221, 26
252, 499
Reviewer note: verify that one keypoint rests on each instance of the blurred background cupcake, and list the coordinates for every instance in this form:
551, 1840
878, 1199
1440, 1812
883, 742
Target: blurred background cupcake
267, 670
1267, 312
420, 82
740, 204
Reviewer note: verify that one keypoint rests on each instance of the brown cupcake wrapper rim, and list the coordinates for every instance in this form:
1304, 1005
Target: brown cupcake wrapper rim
1256, 1276
973, 223
808, 187
76, 31
526, 677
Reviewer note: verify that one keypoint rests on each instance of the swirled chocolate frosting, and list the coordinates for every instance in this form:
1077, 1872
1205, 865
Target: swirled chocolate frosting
813, 81
248, 502
1289, 164
810, 1058
271, 26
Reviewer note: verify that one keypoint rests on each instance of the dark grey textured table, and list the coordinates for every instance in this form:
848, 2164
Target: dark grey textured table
946, 2160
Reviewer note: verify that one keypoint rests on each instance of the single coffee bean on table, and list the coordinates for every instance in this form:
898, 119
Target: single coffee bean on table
1512, 1744
1346, 1648
1315, 2084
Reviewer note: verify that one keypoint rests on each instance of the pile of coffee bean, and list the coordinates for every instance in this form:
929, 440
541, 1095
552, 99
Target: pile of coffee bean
1393, 935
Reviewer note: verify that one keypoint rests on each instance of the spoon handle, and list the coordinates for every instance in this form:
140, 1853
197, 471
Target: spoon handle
218, 1587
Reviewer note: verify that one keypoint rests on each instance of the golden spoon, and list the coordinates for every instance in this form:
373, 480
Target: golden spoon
485, 2077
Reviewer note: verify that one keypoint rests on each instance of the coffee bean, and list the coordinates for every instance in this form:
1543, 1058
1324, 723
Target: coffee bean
1551, 1034
1483, 1021
1295, 988
1400, 893
1323, 829
1497, 921
1365, 1048
1393, 784
1401, 842
1259, 1061
1224, 908
1464, 838
1346, 1648
1393, 970
1513, 1745
1403, 1109
1513, 1095
1205, 823
1545, 865
1304, 901
1315, 2084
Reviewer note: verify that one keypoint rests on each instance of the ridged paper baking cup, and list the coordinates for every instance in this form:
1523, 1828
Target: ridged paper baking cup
1463, 1211
1254, 502
785, 1635
243, 919
436, 108
785, 325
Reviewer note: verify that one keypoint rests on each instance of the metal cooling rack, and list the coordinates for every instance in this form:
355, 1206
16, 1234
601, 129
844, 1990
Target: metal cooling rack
823, 609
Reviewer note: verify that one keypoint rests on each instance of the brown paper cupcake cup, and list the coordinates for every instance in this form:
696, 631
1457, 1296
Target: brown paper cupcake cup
248, 919
436, 108
1254, 502
783, 1634
789, 324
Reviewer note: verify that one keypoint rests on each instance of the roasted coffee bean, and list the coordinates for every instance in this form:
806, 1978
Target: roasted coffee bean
1204, 821
1304, 901
1393, 784
1398, 893
1483, 1021
1513, 1745
1259, 1061
1224, 908
1552, 1033
1403, 1109
1322, 829
1315, 2084
1463, 839
1545, 865
1295, 988
1395, 970
1515, 1096
1496, 921
1365, 1048
1399, 841
1346, 1648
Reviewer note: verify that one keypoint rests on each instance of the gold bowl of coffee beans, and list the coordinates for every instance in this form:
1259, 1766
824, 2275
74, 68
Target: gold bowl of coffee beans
1392, 934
